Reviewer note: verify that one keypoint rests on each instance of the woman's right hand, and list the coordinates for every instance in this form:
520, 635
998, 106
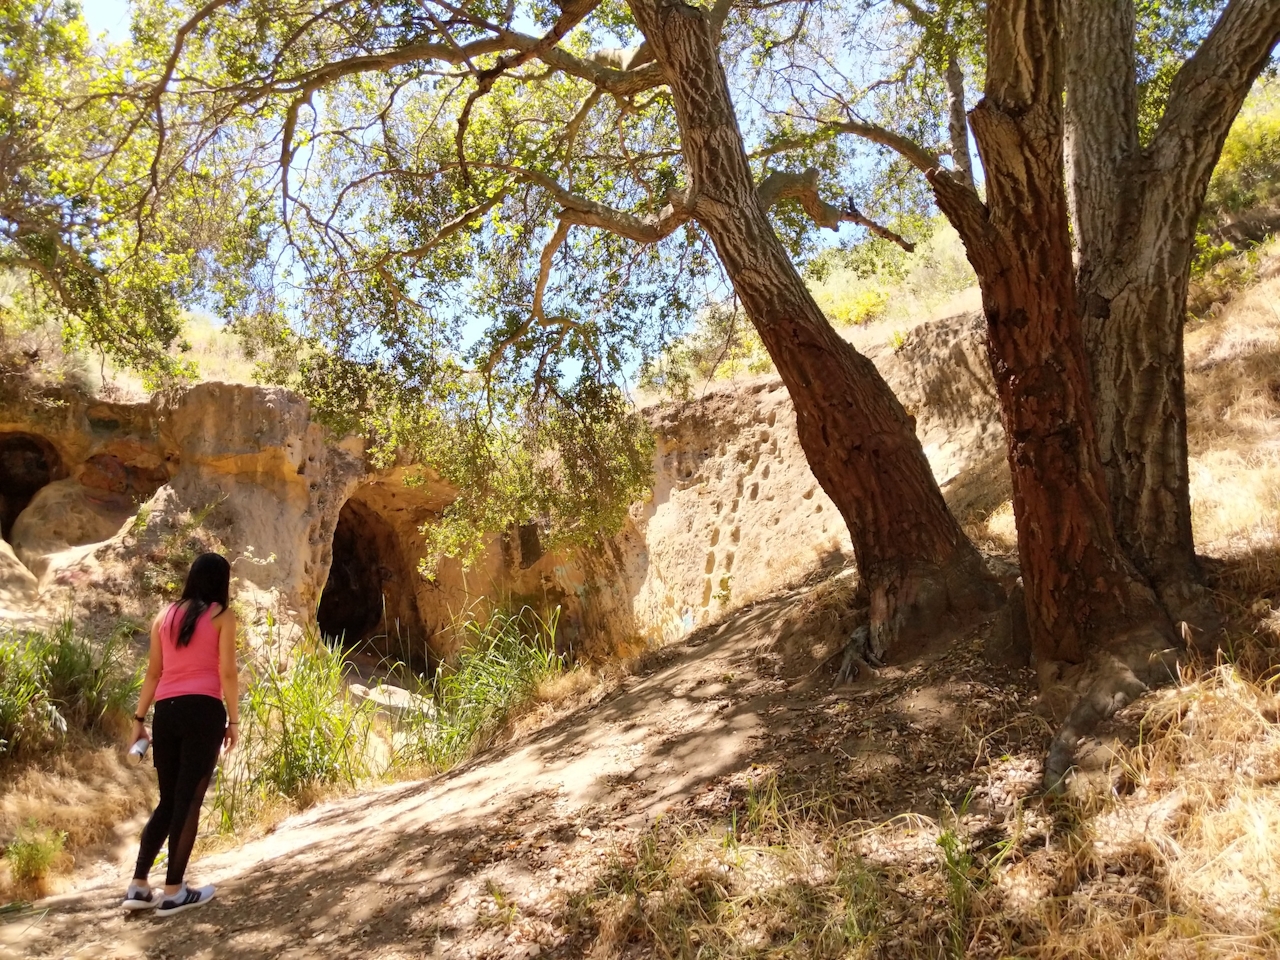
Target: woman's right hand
231, 737
139, 733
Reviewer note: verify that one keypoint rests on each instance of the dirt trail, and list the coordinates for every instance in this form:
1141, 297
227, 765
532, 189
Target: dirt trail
421, 869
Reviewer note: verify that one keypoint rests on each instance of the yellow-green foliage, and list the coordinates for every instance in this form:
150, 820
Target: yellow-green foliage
1244, 187
876, 281
856, 304
723, 345
32, 853
885, 283
1248, 172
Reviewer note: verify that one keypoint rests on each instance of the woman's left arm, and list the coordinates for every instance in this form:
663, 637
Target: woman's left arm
230, 675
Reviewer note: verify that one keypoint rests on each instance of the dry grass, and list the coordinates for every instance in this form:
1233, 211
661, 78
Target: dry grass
85, 791
554, 696
779, 879
1173, 854
1233, 401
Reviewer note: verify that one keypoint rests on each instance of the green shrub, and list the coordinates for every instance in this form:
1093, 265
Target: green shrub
1239, 209
1248, 170
875, 281
92, 685
505, 659
33, 852
722, 345
302, 730
51, 682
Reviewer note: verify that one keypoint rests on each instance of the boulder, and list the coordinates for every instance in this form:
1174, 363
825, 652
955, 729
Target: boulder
65, 515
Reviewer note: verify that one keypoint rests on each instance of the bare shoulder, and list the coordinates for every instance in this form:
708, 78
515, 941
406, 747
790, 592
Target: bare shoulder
158, 619
226, 618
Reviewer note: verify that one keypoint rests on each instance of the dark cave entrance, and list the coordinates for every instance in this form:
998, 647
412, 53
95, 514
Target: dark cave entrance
27, 463
368, 604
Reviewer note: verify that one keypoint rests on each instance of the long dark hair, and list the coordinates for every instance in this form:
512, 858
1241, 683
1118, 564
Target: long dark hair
208, 582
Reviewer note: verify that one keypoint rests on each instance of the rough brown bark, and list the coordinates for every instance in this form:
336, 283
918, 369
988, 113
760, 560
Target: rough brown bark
922, 572
1134, 213
1081, 591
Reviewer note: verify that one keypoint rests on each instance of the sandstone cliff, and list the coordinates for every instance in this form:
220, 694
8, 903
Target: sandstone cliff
103, 505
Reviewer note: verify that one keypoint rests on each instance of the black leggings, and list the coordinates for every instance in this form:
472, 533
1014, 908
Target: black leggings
185, 737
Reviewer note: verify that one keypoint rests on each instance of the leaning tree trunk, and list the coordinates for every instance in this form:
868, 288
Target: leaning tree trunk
1082, 592
923, 574
1135, 212
957, 119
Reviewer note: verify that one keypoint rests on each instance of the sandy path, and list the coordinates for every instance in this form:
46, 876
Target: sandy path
360, 875
483, 862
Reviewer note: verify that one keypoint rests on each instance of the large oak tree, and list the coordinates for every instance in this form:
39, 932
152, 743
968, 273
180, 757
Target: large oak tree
439, 161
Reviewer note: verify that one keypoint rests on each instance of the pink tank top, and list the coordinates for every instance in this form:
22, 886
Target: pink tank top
193, 668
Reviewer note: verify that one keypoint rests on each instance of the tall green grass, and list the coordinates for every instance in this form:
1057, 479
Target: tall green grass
53, 682
300, 731
497, 672
303, 732
33, 851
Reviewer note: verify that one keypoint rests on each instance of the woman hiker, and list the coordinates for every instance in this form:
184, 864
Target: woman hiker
191, 673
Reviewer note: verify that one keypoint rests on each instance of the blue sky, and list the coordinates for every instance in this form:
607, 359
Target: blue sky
107, 16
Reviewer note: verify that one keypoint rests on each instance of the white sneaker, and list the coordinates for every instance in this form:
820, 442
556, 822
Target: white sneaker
184, 899
140, 898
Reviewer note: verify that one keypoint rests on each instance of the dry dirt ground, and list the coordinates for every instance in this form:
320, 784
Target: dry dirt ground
488, 859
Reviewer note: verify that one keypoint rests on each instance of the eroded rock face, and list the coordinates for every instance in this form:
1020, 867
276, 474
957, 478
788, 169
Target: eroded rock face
134, 491
65, 515
236, 468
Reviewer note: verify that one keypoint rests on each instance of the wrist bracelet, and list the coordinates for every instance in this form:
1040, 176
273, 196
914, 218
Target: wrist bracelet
140, 719
233, 723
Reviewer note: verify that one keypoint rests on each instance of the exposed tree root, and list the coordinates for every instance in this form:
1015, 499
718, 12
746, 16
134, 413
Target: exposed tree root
917, 611
1139, 662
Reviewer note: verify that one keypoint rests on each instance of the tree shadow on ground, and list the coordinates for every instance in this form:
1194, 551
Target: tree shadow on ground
489, 859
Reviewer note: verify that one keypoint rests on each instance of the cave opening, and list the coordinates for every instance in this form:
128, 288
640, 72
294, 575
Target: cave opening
369, 605
27, 463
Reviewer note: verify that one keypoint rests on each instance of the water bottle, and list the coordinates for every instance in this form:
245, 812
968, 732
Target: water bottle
138, 751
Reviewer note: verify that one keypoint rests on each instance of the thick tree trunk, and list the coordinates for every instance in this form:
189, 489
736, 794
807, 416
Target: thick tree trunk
1086, 603
923, 574
1133, 328
1081, 590
1135, 213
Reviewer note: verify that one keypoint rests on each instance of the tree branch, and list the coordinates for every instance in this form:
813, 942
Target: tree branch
536, 313
157, 91
1210, 88
457, 224
916, 155
962, 206
804, 188
544, 267
957, 121
571, 131
571, 14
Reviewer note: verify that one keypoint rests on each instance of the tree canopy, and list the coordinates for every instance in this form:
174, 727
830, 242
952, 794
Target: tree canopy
114, 250
484, 211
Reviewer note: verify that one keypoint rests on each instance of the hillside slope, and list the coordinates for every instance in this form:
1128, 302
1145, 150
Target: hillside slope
490, 859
